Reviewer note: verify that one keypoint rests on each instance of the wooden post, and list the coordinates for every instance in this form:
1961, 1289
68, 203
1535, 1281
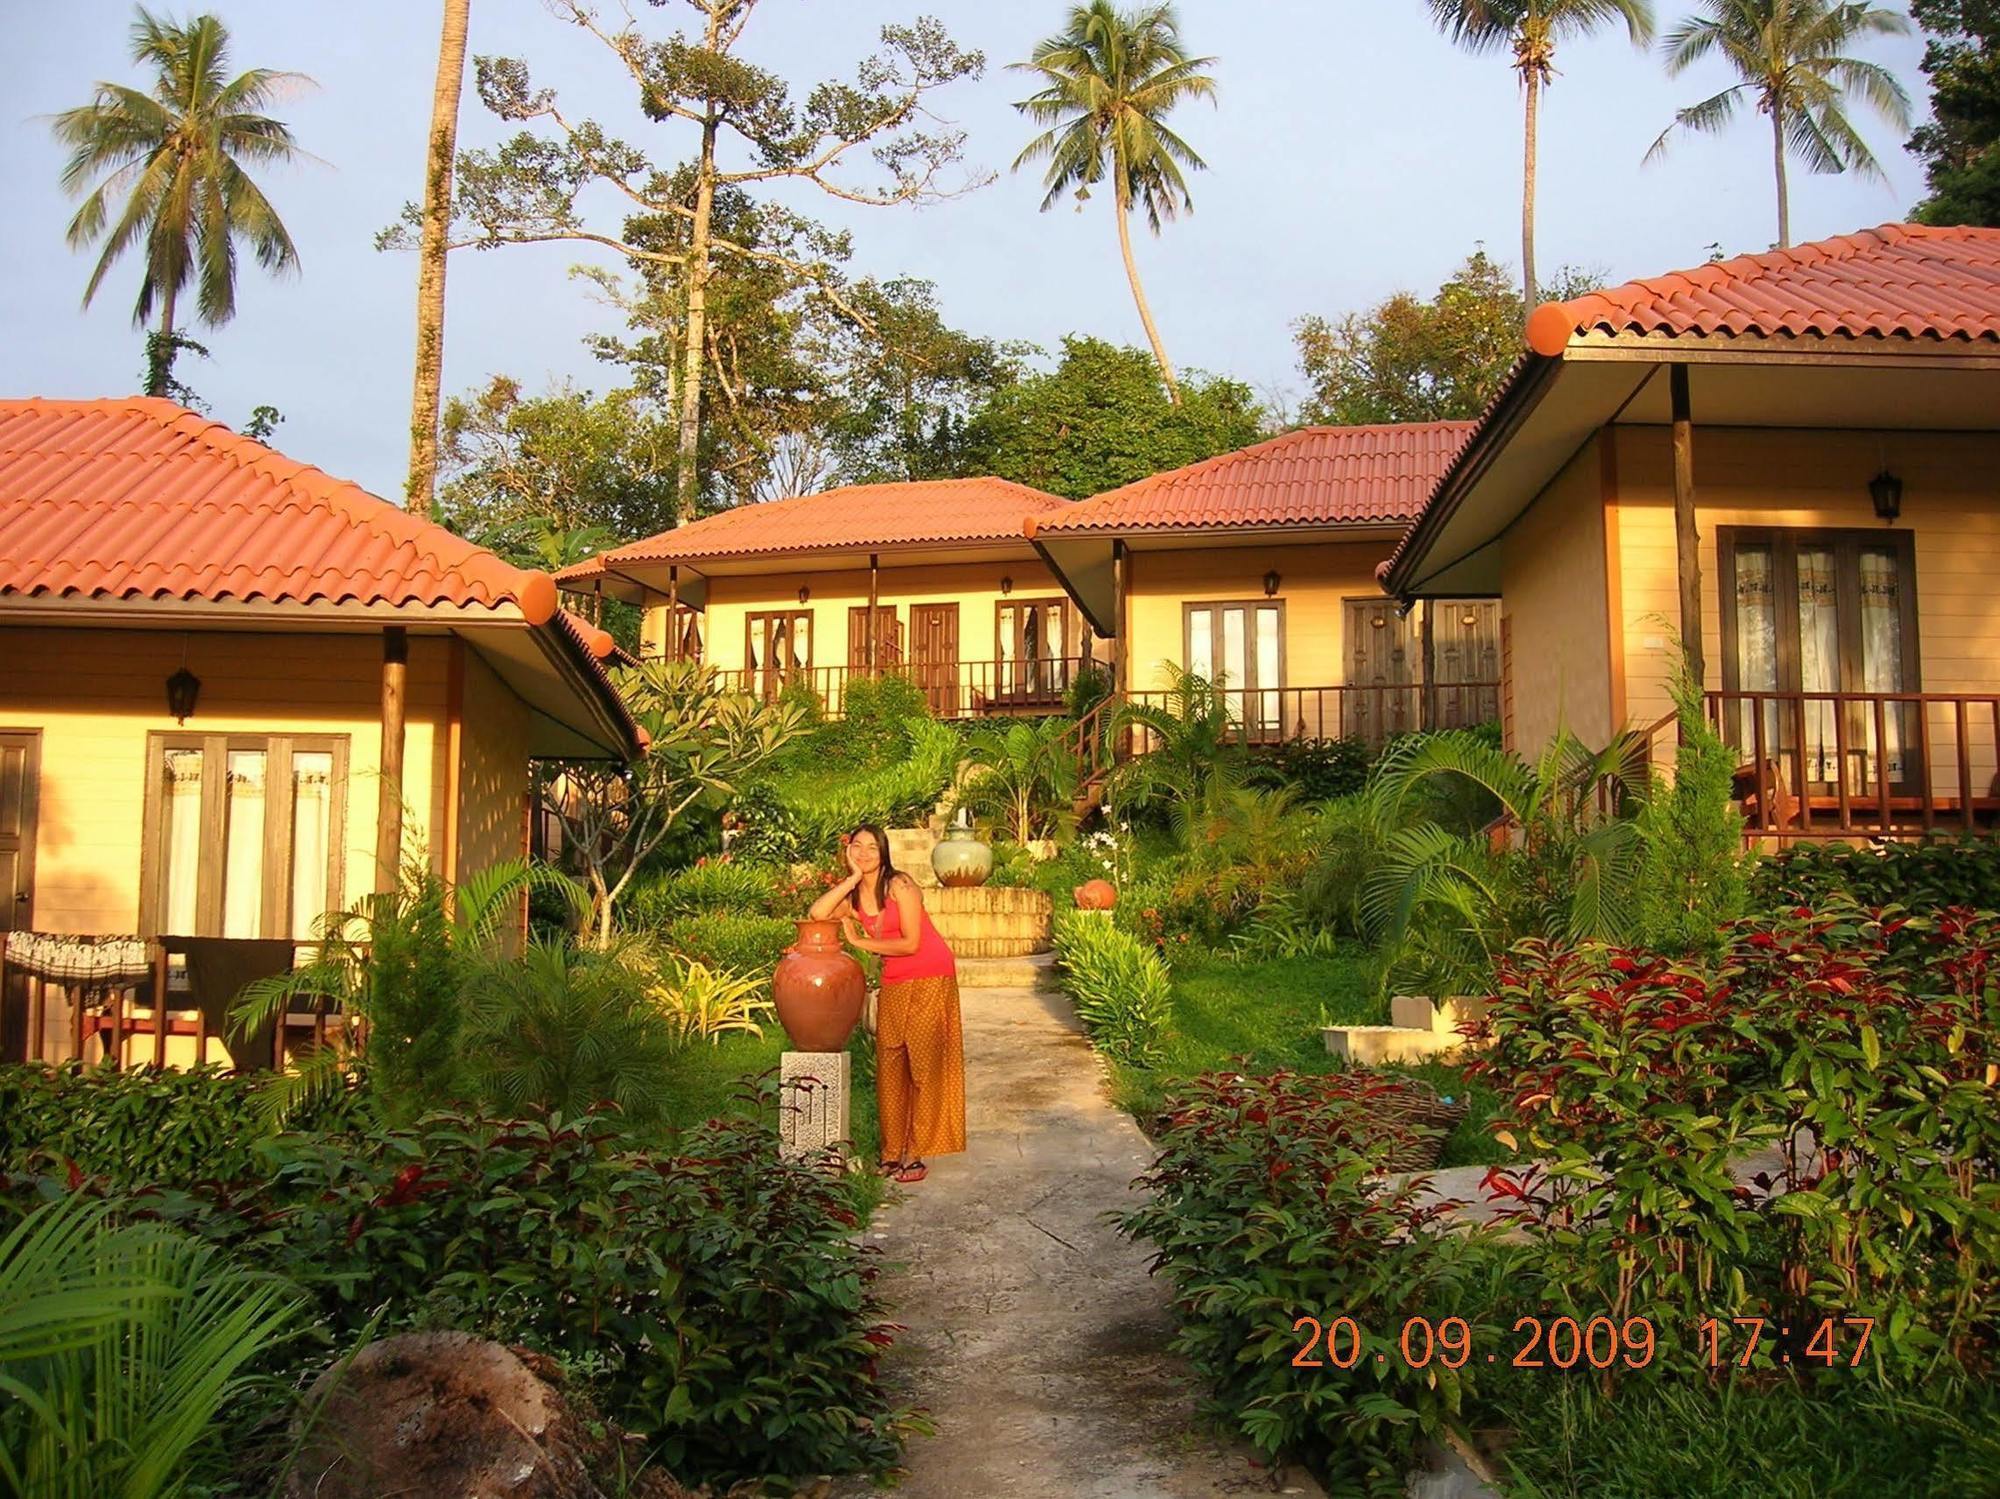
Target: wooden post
873, 627
1687, 548
1429, 638
389, 799
1121, 648
672, 643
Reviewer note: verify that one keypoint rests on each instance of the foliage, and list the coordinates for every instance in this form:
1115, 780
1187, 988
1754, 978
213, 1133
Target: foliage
1088, 689
1099, 419
1318, 770
703, 740
123, 1349
1108, 81
1920, 877
879, 722
1265, 1207
1119, 988
1408, 360
1692, 875
557, 1029
564, 463
1023, 776
891, 796
1960, 146
1189, 737
181, 150
728, 884
1857, 1049
730, 943
1790, 58
766, 830
704, 1003
141, 1125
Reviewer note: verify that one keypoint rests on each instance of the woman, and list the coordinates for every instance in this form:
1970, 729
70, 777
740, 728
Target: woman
919, 1051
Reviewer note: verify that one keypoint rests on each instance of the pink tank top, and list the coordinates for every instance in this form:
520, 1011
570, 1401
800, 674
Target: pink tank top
931, 960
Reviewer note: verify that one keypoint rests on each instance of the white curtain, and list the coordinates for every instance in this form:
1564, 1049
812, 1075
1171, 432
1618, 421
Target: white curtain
312, 838
1269, 711
243, 846
180, 850
1756, 644
1201, 644
1882, 653
1819, 657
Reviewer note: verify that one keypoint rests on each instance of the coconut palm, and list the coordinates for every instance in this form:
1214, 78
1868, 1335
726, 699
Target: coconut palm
421, 488
177, 157
1023, 776
1112, 77
1791, 56
1530, 29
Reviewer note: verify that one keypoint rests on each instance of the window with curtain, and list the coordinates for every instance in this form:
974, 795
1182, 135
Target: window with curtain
1811, 616
1241, 647
1032, 647
778, 647
243, 834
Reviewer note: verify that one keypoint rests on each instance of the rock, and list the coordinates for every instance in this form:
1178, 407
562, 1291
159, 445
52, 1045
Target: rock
449, 1416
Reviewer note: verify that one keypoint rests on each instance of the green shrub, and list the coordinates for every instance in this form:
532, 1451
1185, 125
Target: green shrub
1121, 989
145, 1126
748, 945
1265, 1208
732, 885
895, 795
1317, 769
766, 830
1920, 877
880, 721
1691, 876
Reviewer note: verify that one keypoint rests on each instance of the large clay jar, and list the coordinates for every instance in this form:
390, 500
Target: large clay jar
961, 859
1096, 895
819, 989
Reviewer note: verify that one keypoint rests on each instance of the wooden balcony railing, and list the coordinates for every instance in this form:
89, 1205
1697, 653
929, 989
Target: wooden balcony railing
1863, 764
962, 689
1375, 714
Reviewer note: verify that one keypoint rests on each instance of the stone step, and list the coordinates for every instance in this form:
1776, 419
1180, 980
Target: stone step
1035, 972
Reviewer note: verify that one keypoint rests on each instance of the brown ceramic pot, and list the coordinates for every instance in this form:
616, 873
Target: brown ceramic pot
1096, 895
819, 989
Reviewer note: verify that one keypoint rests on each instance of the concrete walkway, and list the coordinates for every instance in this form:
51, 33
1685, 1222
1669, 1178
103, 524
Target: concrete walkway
1036, 1338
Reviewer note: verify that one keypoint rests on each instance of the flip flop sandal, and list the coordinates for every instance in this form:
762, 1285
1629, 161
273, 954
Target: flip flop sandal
890, 1169
913, 1173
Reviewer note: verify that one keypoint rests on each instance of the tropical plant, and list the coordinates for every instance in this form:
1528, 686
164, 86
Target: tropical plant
439, 159
1791, 59
1530, 29
1111, 79
1121, 989
1024, 776
122, 1349
1190, 735
1562, 859
1235, 825
179, 155
889, 796
706, 1003
730, 942
1960, 144
1693, 875
557, 1029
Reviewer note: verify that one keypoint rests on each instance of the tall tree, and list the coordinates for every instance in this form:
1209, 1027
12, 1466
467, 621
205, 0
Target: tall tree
1111, 79
433, 238
1531, 29
178, 155
1960, 146
528, 191
1410, 360
1791, 58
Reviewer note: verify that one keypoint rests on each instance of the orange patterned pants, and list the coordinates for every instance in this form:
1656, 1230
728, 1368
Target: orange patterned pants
920, 1069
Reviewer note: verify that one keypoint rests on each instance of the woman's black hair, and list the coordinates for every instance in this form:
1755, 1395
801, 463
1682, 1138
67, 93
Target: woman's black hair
884, 876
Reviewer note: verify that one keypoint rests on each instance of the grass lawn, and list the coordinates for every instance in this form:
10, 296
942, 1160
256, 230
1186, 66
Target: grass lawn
1265, 1017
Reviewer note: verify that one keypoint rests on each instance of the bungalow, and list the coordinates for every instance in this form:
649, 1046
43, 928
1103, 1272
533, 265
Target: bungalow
234, 692
1257, 571
782, 592
1790, 461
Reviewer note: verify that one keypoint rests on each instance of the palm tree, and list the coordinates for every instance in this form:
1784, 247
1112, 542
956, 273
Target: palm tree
1112, 78
1531, 29
421, 488
178, 156
1791, 56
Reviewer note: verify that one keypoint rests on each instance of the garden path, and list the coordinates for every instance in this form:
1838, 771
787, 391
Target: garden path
1036, 1339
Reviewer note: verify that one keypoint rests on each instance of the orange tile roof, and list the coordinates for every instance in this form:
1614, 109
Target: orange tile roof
1318, 476
137, 498
1901, 280
941, 511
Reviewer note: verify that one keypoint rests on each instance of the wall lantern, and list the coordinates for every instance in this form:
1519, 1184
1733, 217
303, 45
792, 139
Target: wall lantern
1886, 490
804, 593
183, 687
1271, 582
1006, 585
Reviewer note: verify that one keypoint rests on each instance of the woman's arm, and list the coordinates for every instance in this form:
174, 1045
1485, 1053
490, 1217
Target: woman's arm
834, 899
910, 916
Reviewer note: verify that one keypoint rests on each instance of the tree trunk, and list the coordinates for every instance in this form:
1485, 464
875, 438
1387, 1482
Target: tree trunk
1122, 207
687, 487
420, 490
160, 357
1778, 159
1533, 116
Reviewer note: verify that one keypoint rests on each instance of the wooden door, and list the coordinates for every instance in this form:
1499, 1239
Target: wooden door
934, 655
888, 641
20, 791
1383, 655
1465, 661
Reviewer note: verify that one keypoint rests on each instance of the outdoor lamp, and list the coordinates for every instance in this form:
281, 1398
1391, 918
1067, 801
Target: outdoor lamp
804, 593
182, 689
1886, 490
1006, 585
1271, 582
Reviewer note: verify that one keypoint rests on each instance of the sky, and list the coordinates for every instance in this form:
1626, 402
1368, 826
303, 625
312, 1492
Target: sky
1353, 153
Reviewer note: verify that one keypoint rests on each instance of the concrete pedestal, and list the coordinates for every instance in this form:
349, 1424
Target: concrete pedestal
813, 1101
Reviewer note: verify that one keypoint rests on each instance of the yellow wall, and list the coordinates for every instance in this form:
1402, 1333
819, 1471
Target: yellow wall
1951, 503
1553, 599
96, 694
